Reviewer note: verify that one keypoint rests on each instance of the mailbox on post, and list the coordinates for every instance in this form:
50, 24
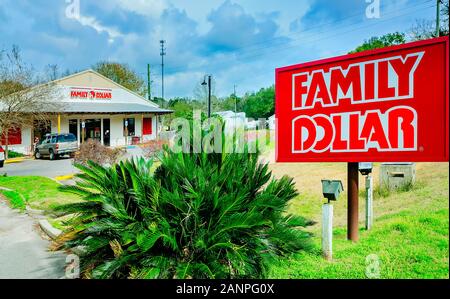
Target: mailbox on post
365, 168
331, 189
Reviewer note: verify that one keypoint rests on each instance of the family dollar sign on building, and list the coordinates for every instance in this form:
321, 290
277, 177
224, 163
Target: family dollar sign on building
382, 105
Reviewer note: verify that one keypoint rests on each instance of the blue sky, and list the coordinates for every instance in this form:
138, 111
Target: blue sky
238, 42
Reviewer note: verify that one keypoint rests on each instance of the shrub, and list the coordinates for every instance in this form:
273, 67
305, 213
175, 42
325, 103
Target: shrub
196, 216
93, 150
13, 154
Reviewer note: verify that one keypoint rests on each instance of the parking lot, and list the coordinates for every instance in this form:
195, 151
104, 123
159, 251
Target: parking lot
55, 168
44, 167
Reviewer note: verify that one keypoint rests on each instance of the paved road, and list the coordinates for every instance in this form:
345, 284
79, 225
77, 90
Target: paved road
52, 169
23, 252
46, 168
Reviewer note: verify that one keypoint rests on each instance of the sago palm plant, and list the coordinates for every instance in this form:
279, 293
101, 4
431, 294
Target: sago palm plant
197, 216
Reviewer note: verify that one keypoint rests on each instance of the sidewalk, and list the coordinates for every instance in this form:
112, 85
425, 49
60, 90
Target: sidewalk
23, 252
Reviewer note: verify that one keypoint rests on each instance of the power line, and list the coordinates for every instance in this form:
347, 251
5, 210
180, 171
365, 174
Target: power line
335, 35
325, 29
310, 29
327, 37
332, 34
329, 34
341, 33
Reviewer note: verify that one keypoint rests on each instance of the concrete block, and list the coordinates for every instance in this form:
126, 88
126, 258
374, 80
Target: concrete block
396, 175
49, 229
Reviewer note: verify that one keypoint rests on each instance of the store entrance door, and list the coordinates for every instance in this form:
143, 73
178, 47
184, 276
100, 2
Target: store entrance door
106, 132
91, 130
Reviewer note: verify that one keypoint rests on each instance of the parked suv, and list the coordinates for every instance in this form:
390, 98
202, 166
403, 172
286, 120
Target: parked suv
55, 145
2, 156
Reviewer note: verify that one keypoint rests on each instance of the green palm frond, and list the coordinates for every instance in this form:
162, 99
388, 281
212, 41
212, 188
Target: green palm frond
201, 215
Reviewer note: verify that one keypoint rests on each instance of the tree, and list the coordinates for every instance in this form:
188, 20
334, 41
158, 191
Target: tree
197, 216
260, 104
230, 103
201, 90
182, 108
201, 93
52, 71
425, 29
24, 97
386, 40
122, 74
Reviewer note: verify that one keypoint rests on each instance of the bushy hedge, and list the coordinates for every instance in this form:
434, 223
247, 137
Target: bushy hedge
93, 150
13, 154
197, 216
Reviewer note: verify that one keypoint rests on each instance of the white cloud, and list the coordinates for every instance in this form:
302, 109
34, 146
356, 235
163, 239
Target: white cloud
93, 23
181, 84
151, 8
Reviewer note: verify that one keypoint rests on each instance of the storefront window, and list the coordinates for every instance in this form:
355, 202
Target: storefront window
128, 127
73, 127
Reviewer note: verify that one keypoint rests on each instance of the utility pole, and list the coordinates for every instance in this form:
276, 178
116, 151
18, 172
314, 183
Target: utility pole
437, 17
209, 93
235, 99
209, 96
235, 106
163, 53
148, 83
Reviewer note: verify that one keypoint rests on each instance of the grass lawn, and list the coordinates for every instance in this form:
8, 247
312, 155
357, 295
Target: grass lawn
39, 193
15, 199
410, 237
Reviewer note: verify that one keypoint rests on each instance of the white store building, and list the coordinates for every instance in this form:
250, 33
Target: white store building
98, 108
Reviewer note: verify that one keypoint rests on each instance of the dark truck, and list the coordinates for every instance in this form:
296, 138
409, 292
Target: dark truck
56, 145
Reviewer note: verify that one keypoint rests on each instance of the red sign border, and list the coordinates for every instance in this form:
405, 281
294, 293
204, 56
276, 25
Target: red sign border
368, 53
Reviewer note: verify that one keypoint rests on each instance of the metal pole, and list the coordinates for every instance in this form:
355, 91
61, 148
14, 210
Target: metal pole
148, 83
369, 202
162, 67
235, 99
327, 231
437, 17
352, 197
209, 96
235, 107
